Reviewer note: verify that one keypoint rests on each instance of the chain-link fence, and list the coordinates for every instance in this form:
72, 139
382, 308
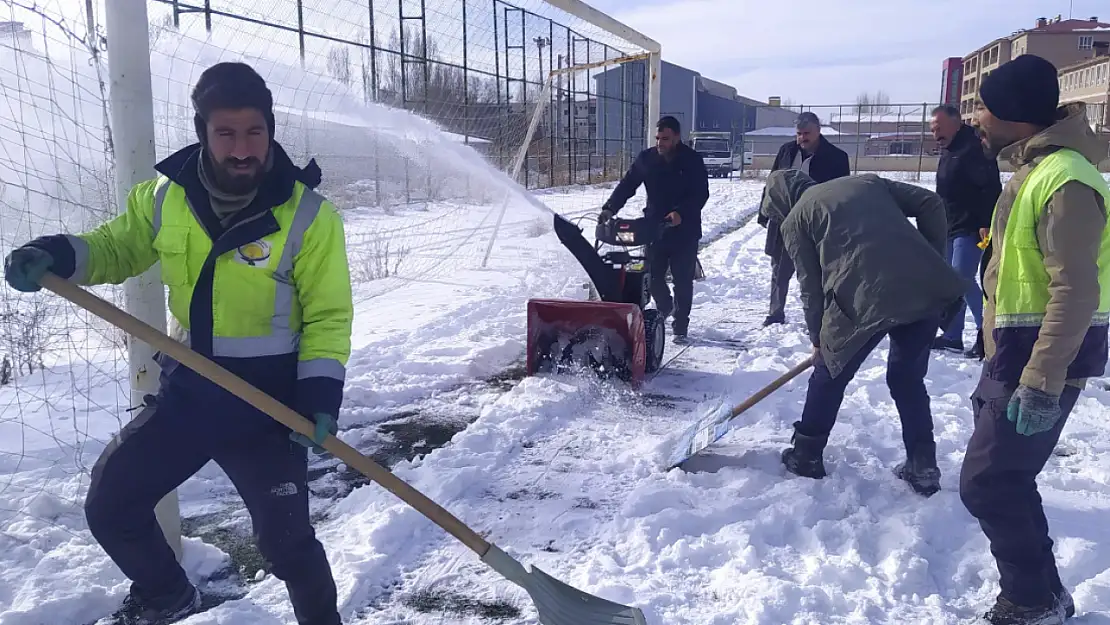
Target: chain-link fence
885, 137
482, 70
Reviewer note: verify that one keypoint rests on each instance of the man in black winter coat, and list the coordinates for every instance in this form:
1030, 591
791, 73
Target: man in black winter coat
677, 186
822, 161
968, 180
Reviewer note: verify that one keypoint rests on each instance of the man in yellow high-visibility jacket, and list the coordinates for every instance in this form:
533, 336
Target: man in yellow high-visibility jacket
256, 266
1046, 286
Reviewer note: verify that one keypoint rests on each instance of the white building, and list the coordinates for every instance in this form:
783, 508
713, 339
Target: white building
15, 37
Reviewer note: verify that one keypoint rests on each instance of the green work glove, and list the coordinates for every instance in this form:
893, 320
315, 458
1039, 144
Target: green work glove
1033, 411
325, 424
25, 267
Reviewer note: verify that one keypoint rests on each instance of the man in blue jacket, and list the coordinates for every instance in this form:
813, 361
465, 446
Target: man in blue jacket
677, 186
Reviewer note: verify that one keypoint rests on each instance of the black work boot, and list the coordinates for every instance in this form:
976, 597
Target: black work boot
977, 351
941, 344
805, 458
135, 612
920, 469
773, 320
1066, 601
1005, 612
679, 327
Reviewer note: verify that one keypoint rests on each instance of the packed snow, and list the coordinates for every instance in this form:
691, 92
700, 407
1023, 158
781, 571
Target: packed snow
567, 472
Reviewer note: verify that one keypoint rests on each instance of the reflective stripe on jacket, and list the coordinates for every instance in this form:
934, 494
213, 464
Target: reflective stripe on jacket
1022, 295
287, 290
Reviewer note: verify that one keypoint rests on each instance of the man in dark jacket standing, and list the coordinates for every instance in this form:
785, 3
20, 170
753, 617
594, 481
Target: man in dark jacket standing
865, 273
822, 161
677, 186
968, 181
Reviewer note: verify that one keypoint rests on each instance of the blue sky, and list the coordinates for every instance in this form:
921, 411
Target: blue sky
826, 52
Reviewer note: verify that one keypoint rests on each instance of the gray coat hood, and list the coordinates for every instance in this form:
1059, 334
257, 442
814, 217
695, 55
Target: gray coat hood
783, 190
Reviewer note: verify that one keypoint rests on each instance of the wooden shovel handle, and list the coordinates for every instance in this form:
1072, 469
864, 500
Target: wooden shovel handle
772, 387
275, 409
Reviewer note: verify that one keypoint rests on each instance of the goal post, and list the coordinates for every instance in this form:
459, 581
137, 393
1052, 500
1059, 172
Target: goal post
131, 104
654, 50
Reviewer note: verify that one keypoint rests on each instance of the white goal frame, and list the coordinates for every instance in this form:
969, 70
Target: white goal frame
587, 13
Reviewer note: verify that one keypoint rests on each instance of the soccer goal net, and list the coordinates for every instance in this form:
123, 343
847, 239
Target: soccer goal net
447, 131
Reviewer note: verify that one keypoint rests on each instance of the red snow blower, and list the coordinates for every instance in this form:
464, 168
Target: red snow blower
615, 335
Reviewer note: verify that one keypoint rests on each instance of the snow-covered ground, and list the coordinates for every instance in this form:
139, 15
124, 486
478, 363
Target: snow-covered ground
567, 472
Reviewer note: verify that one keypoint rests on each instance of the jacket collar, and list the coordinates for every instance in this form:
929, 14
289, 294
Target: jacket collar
963, 136
276, 188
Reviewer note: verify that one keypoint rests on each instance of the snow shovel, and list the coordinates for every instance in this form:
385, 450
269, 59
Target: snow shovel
556, 602
718, 422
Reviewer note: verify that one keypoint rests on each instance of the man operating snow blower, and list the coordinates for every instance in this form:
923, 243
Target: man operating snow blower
865, 273
256, 266
677, 186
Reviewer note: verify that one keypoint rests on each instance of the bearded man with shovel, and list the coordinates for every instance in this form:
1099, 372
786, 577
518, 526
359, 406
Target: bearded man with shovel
866, 273
256, 266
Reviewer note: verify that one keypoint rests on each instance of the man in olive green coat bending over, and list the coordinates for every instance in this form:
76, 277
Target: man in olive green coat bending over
866, 273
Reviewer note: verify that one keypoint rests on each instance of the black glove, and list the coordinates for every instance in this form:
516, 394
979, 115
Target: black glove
605, 215
25, 267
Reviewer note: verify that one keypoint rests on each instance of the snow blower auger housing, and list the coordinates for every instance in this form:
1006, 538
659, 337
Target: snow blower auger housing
617, 335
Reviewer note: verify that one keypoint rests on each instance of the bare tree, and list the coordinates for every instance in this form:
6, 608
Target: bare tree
27, 333
339, 64
873, 103
158, 28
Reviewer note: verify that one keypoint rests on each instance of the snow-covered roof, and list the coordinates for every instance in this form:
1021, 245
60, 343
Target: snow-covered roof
905, 133
786, 131
909, 116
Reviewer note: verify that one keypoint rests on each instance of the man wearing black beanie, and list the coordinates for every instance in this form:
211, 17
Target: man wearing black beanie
1046, 285
256, 265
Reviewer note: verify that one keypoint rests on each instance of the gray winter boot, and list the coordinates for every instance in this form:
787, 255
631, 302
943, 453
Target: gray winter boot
806, 457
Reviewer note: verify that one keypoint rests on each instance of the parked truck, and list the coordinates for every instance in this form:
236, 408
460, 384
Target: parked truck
716, 150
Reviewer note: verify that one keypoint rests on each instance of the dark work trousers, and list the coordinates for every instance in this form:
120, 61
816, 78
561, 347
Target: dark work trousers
907, 365
782, 270
680, 255
998, 485
169, 442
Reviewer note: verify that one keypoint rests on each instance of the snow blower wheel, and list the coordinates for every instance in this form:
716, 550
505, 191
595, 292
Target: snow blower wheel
655, 338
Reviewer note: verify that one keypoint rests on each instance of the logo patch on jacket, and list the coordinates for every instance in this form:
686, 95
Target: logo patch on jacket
255, 253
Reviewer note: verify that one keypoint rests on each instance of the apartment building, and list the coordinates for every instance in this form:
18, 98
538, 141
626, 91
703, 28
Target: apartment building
1063, 42
14, 36
951, 81
1089, 81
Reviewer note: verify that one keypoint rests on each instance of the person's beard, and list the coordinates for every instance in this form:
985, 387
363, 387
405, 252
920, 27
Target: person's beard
234, 182
993, 144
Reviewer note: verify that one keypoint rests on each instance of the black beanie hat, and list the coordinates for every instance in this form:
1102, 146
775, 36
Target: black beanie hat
1024, 90
230, 85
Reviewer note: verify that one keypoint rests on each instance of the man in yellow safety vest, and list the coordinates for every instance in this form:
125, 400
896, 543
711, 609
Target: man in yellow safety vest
1046, 285
256, 266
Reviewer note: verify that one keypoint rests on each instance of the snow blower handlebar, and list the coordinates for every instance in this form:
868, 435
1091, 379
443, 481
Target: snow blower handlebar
630, 232
556, 602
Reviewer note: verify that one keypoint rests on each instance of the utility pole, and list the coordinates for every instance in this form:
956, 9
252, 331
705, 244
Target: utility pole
541, 42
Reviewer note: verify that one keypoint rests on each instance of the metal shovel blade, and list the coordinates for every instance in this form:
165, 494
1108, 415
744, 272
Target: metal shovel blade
559, 603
